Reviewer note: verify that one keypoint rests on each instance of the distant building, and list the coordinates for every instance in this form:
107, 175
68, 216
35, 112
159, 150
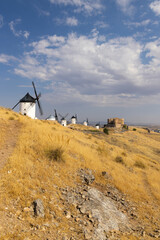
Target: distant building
51, 118
115, 122
73, 120
97, 126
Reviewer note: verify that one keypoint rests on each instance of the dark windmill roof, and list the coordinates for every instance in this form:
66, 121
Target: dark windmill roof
28, 98
73, 117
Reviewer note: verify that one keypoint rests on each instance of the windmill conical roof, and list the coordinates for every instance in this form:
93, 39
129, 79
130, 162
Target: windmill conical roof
28, 98
51, 117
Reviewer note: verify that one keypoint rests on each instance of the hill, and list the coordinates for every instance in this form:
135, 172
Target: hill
76, 182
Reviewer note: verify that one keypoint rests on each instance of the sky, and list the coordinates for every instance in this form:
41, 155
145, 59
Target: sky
95, 58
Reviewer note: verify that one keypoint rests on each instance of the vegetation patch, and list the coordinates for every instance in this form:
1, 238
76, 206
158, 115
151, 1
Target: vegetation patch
106, 131
134, 129
125, 126
119, 159
139, 164
56, 154
124, 154
94, 130
11, 118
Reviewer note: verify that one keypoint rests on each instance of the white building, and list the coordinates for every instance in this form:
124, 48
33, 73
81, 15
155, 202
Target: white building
73, 120
85, 123
64, 122
97, 126
51, 118
28, 106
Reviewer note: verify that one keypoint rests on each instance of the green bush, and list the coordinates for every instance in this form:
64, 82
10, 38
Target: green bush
134, 129
56, 154
125, 126
106, 131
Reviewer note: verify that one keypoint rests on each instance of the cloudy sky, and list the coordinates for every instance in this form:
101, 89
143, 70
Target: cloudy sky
96, 58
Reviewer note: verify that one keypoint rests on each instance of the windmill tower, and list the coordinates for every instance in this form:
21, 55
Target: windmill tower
27, 104
63, 120
74, 119
85, 123
97, 125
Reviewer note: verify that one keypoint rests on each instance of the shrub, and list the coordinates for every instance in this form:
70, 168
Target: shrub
134, 129
139, 164
125, 126
106, 131
11, 118
124, 154
119, 159
56, 154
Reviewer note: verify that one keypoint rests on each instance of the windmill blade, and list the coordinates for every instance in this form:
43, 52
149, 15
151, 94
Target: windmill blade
15, 105
56, 116
87, 121
39, 95
66, 115
35, 91
40, 108
76, 116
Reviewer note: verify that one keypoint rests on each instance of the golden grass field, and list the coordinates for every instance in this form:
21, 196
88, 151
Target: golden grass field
131, 158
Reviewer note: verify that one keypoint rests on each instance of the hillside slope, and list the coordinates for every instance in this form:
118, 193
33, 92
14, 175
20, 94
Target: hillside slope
90, 185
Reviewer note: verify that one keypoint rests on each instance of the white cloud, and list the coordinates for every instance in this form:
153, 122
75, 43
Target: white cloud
101, 24
5, 59
42, 12
126, 6
71, 21
139, 24
83, 69
155, 6
17, 33
81, 5
1, 21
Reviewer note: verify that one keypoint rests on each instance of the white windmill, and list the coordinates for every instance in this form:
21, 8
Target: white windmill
74, 119
85, 123
53, 118
63, 120
28, 104
97, 125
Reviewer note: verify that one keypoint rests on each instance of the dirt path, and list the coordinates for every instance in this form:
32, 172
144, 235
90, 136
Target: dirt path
10, 140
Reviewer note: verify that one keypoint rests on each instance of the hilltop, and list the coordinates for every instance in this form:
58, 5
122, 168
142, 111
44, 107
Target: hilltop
86, 184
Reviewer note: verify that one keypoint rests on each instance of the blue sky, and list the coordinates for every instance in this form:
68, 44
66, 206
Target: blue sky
96, 58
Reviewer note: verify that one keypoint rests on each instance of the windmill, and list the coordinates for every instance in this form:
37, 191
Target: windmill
86, 122
63, 120
28, 104
74, 119
97, 125
53, 118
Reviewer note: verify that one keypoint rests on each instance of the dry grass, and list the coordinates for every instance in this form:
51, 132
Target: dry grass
36, 170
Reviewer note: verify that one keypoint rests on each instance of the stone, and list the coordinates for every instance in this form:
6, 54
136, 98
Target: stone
105, 212
87, 176
38, 208
26, 209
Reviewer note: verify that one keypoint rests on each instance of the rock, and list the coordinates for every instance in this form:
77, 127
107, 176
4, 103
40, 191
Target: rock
68, 214
38, 208
26, 209
87, 176
105, 212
